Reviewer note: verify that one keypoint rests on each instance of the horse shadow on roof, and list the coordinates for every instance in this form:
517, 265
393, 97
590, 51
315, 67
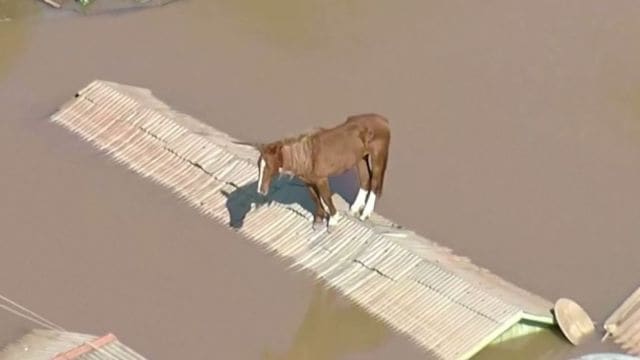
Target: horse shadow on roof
285, 190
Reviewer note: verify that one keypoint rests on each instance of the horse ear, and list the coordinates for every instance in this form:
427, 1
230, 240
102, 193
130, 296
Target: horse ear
273, 148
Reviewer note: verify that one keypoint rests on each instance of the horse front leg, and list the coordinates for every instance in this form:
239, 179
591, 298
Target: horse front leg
377, 174
320, 214
325, 198
364, 178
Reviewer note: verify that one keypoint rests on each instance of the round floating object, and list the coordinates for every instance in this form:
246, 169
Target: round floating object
574, 322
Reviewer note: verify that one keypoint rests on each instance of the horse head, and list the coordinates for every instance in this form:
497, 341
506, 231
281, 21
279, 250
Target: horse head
269, 163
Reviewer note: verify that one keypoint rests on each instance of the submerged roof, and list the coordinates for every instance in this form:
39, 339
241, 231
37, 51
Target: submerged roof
42, 344
446, 304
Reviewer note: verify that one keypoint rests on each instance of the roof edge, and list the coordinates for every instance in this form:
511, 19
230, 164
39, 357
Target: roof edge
495, 334
543, 320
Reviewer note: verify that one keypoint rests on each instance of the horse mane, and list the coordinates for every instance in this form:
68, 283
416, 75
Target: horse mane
297, 152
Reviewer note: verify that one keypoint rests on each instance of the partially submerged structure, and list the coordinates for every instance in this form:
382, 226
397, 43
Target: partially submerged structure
101, 6
443, 302
623, 325
42, 344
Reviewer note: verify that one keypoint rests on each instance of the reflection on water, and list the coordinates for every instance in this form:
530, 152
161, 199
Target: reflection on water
15, 16
285, 20
330, 330
546, 344
630, 99
292, 23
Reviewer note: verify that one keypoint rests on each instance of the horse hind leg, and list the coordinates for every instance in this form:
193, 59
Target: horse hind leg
364, 177
325, 198
320, 213
368, 207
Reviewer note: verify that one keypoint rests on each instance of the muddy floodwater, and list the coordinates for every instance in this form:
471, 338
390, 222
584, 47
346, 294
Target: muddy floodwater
515, 141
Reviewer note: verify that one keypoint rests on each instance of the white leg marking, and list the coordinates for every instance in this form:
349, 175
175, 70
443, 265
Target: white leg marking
333, 220
262, 165
358, 203
324, 205
369, 206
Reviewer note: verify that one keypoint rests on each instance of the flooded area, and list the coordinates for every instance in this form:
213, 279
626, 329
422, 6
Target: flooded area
515, 141
15, 18
331, 329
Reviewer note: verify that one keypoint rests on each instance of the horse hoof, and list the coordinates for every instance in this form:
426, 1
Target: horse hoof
333, 220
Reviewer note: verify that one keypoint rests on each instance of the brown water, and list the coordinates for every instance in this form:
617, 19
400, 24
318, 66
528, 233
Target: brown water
15, 21
516, 140
332, 328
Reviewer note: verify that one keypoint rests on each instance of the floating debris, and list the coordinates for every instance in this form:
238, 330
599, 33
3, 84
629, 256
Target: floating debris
574, 322
53, 3
102, 6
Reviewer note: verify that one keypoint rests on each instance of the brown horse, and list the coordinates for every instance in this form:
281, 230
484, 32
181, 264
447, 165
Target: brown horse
361, 141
